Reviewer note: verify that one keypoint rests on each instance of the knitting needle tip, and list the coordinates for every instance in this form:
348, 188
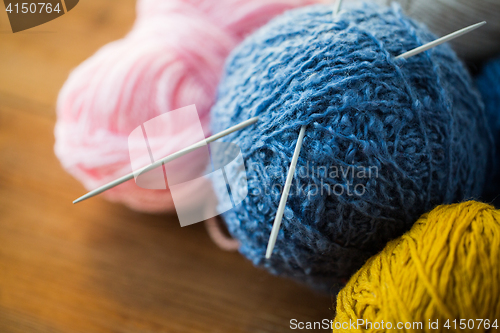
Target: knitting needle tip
79, 199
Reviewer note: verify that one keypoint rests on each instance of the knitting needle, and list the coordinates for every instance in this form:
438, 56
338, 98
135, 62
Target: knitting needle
168, 158
337, 7
440, 41
284, 197
289, 178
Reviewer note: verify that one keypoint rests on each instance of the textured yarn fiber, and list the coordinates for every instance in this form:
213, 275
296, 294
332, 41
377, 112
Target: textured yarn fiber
445, 16
418, 124
488, 83
446, 267
173, 57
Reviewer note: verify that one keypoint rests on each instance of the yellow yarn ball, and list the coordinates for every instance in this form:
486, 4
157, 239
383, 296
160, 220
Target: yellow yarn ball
447, 267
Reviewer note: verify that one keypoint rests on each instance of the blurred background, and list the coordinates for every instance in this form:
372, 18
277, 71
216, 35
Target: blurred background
98, 266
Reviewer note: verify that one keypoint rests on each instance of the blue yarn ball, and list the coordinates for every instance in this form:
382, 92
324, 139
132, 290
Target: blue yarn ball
417, 124
488, 83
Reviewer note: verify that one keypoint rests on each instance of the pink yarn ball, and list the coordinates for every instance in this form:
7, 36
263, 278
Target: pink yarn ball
173, 57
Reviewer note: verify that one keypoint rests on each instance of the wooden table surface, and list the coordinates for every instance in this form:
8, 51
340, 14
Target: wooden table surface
98, 266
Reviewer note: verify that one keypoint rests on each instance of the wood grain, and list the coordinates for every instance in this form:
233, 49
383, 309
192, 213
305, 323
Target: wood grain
97, 266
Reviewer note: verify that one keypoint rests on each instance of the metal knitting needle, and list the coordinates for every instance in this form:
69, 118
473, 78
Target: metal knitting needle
337, 7
284, 197
289, 178
168, 158
440, 41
